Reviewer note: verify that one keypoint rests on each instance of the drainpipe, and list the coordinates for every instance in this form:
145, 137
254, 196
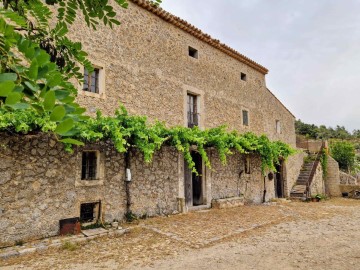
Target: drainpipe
128, 180
264, 189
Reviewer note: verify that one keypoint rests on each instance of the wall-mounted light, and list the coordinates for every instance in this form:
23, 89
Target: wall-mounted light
128, 175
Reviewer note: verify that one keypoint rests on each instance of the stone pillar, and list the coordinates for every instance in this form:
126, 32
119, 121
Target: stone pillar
333, 178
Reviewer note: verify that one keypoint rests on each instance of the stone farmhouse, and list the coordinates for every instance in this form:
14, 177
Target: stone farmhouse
160, 66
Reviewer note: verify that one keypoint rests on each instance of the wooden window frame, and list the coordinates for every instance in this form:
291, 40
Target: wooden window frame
88, 80
247, 122
89, 172
192, 110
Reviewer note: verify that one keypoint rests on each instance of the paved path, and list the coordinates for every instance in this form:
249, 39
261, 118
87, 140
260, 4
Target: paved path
286, 236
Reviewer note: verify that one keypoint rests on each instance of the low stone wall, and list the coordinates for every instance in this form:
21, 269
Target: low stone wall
227, 203
347, 179
313, 146
352, 191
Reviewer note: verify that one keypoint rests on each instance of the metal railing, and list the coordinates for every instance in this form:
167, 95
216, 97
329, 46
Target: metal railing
313, 169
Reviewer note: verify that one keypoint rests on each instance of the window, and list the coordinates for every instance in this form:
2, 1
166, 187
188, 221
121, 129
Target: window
91, 81
89, 212
192, 111
278, 126
243, 76
89, 169
193, 52
245, 116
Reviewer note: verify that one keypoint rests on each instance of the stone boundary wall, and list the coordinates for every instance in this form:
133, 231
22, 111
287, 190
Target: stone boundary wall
318, 184
347, 179
313, 146
352, 190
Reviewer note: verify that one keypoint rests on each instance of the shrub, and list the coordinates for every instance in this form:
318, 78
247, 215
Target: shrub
344, 153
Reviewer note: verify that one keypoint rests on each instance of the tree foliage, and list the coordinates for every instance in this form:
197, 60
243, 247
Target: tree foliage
344, 153
322, 132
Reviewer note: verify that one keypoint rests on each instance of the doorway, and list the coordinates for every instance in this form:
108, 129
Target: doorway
279, 180
194, 188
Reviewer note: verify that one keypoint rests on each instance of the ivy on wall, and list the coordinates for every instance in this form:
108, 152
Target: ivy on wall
127, 131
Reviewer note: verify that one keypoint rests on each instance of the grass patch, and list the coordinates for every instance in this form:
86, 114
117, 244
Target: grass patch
69, 246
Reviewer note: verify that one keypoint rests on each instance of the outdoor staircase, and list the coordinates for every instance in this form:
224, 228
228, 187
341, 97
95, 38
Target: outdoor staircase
300, 190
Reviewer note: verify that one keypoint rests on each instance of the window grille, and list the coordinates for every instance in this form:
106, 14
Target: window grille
91, 81
192, 113
89, 165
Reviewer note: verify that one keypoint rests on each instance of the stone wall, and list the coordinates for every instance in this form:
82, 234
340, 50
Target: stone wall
147, 67
40, 184
155, 185
347, 179
313, 146
333, 178
318, 183
231, 180
292, 170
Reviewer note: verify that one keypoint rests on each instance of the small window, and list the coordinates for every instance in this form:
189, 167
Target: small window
91, 81
243, 76
245, 116
193, 52
278, 126
247, 165
89, 170
192, 110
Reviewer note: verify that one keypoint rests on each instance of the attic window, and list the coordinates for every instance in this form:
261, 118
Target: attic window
193, 52
278, 126
243, 76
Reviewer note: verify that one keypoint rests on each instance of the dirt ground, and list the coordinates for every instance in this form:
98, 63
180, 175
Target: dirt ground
295, 235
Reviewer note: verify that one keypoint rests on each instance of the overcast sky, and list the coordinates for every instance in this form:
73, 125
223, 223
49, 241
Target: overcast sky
311, 48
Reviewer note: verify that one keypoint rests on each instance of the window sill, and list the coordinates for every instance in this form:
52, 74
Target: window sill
89, 183
91, 94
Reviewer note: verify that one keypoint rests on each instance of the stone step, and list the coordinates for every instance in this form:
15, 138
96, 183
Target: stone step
305, 178
302, 182
296, 195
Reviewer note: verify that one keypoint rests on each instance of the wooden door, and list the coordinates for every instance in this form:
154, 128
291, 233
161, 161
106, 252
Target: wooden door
279, 181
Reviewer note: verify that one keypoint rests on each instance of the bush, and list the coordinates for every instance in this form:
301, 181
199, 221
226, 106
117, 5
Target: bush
344, 153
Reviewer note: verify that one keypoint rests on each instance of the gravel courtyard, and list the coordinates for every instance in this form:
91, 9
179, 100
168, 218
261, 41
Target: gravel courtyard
294, 235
